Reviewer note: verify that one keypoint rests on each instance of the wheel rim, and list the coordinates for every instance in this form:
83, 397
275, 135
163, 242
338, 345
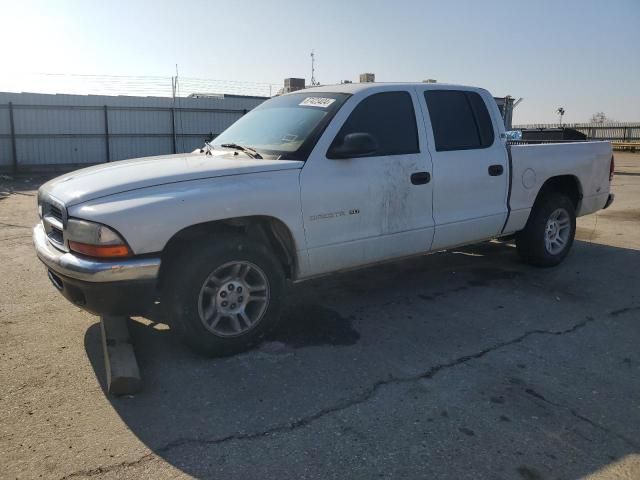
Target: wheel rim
557, 231
233, 299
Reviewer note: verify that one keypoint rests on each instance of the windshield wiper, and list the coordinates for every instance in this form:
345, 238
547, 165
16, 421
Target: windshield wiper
248, 150
209, 148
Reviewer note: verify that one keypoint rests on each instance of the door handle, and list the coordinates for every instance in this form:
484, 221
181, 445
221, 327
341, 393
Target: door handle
496, 170
420, 178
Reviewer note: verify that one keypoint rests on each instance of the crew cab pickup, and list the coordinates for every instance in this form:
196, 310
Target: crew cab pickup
309, 183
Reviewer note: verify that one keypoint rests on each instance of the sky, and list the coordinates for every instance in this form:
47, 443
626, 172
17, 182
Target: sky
583, 55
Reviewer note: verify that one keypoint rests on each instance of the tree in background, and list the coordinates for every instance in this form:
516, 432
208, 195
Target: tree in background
560, 111
598, 117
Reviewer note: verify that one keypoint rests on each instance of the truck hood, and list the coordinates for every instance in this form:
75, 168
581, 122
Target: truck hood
117, 177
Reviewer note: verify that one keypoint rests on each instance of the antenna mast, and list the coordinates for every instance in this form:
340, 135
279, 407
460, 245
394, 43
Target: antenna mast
313, 69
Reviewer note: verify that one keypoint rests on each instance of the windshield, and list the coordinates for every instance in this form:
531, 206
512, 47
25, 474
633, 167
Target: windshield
285, 126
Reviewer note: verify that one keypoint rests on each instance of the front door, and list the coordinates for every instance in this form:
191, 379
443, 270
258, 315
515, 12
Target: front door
375, 207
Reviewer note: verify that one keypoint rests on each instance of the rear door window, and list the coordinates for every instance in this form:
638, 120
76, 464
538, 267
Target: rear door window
459, 119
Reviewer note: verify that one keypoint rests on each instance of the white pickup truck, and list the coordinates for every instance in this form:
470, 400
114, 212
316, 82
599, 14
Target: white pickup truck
313, 182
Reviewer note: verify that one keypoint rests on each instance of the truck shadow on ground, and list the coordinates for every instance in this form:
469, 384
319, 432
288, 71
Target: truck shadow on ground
343, 337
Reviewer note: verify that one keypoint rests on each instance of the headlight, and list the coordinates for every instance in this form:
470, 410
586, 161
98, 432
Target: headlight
95, 240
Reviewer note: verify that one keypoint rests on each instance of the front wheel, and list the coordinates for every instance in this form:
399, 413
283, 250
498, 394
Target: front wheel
550, 230
225, 294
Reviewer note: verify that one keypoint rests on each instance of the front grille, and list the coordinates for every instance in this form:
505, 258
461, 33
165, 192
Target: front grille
56, 235
54, 220
55, 212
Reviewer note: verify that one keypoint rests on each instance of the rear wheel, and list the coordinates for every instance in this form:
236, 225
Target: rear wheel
224, 295
550, 230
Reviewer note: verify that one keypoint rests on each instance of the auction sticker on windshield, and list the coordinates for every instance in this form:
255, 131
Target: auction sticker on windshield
317, 102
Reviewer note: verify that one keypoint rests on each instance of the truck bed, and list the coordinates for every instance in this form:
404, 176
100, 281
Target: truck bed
531, 165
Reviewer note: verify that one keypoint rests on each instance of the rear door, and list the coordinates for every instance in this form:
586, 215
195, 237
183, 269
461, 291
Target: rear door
470, 166
362, 210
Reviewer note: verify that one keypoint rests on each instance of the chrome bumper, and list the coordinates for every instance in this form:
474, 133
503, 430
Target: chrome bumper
88, 270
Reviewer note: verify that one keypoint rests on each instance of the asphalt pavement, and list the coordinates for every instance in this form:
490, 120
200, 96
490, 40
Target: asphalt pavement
464, 364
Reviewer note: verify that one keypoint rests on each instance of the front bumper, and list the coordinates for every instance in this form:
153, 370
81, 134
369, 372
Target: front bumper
83, 268
116, 287
609, 201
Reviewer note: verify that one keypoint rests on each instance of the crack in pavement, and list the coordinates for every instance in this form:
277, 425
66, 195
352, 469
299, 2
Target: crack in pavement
624, 310
4, 239
12, 225
360, 398
582, 418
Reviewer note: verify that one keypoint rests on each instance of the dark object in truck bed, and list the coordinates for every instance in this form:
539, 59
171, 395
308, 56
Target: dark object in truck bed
552, 134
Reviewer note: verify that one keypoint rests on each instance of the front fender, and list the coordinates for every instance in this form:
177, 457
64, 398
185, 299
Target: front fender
148, 217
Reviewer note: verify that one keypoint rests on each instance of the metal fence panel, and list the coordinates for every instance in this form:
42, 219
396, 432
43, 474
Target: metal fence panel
5, 139
46, 120
5, 127
46, 151
204, 122
132, 147
139, 121
5, 154
59, 130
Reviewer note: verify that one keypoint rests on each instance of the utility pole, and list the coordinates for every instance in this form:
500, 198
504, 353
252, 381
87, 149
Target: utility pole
313, 69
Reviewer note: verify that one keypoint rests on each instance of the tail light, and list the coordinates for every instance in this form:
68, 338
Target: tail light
612, 167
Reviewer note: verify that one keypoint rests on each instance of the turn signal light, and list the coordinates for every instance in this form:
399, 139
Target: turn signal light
100, 251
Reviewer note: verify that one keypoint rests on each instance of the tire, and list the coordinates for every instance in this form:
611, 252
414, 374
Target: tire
200, 280
550, 230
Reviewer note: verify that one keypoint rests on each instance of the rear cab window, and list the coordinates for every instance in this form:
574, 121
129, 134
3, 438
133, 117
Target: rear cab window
459, 120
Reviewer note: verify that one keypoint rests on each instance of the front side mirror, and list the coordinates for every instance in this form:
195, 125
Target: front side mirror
354, 145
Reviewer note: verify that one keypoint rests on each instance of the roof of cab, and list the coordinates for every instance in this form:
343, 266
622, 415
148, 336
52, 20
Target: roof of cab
358, 87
